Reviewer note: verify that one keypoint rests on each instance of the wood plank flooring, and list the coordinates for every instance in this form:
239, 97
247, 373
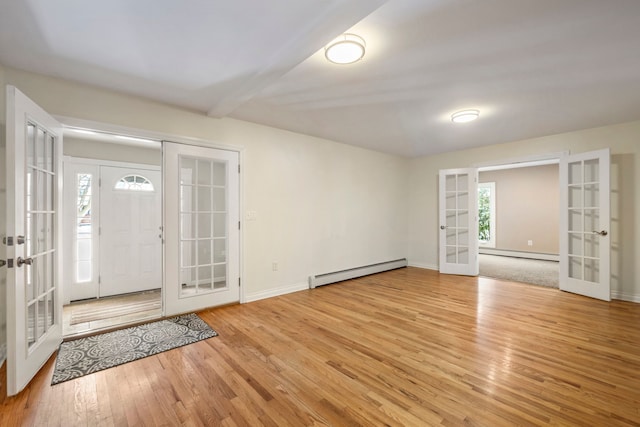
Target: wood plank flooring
408, 347
90, 316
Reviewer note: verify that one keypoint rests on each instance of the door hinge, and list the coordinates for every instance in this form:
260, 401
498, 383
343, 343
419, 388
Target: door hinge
10, 263
238, 225
99, 182
9, 240
99, 279
239, 283
238, 168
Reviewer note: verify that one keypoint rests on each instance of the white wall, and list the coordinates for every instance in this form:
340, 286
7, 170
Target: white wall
87, 149
624, 141
320, 206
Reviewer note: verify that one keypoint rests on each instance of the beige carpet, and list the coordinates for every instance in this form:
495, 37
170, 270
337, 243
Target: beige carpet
534, 271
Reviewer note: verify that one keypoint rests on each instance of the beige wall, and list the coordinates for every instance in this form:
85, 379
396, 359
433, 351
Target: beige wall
110, 151
624, 142
320, 206
527, 208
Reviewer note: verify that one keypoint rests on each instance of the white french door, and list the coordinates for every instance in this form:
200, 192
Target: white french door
584, 224
34, 183
130, 230
458, 206
202, 219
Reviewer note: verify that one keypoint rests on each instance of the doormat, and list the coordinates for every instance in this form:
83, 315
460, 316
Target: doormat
92, 354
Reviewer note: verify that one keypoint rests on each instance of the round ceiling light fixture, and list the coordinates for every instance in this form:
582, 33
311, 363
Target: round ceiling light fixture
346, 49
465, 116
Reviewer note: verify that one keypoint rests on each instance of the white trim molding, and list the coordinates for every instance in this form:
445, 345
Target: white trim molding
256, 296
520, 254
423, 265
625, 297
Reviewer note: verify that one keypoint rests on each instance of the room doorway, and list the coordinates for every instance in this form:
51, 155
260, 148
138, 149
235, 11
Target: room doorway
518, 222
584, 222
112, 236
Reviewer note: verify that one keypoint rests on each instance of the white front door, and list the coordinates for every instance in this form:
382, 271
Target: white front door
130, 230
458, 207
584, 224
202, 220
34, 183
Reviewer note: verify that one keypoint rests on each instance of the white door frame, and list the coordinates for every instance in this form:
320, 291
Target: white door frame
72, 122
72, 164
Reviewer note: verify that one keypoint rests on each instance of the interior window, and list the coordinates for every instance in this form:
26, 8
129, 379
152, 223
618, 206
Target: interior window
487, 214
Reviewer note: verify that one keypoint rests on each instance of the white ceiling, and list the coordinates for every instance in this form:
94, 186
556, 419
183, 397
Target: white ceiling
532, 67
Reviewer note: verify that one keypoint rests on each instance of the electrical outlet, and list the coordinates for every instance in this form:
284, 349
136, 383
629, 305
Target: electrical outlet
274, 266
529, 242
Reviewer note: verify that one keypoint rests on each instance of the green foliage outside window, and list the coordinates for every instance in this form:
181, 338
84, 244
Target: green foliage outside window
484, 214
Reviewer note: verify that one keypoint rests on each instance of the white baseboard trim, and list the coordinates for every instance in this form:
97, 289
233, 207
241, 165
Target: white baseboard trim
422, 265
355, 272
256, 296
625, 297
520, 254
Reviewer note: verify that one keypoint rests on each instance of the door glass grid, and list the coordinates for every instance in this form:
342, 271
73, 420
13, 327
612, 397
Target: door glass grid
457, 218
39, 232
203, 225
584, 220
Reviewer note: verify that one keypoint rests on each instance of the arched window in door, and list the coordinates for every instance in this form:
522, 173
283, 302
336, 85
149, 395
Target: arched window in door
134, 183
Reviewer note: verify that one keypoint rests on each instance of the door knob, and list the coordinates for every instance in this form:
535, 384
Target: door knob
602, 233
442, 227
21, 261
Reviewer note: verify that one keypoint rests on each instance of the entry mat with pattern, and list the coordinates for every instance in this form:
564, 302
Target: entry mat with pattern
92, 354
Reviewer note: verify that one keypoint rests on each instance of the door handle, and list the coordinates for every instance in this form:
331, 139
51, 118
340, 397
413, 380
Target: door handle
602, 233
20, 261
442, 227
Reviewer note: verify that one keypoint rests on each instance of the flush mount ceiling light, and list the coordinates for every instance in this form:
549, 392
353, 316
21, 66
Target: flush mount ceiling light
465, 116
346, 49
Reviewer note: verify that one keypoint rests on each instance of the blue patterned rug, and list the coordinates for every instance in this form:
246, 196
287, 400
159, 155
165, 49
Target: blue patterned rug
92, 354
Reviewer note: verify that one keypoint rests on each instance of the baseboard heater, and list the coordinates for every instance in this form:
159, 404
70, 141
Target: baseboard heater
352, 273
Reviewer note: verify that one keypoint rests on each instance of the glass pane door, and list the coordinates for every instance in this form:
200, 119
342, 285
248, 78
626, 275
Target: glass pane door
584, 245
40, 253
203, 225
34, 163
458, 221
202, 220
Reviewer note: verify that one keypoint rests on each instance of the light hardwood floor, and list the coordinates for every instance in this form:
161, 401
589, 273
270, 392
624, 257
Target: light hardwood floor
403, 348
